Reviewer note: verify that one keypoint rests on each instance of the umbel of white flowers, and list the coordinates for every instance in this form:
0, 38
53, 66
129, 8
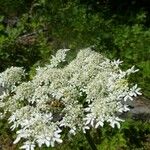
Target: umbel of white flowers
83, 94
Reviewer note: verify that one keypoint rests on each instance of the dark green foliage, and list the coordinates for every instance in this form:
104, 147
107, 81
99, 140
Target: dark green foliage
13, 7
132, 135
22, 45
32, 30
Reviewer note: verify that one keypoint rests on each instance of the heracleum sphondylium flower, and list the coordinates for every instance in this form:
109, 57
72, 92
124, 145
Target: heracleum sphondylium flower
85, 93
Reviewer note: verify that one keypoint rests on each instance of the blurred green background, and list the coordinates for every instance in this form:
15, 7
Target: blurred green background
32, 30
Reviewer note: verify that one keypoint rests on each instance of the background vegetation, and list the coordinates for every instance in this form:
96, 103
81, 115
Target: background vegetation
32, 30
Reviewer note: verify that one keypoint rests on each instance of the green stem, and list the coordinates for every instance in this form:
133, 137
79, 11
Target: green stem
99, 133
90, 140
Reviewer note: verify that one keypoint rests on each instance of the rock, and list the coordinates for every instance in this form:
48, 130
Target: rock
139, 109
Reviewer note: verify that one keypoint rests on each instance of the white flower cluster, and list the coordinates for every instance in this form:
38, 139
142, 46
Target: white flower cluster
11, 76
86, 93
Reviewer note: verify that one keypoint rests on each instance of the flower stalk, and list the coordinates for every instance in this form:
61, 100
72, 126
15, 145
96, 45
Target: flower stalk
90, 140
